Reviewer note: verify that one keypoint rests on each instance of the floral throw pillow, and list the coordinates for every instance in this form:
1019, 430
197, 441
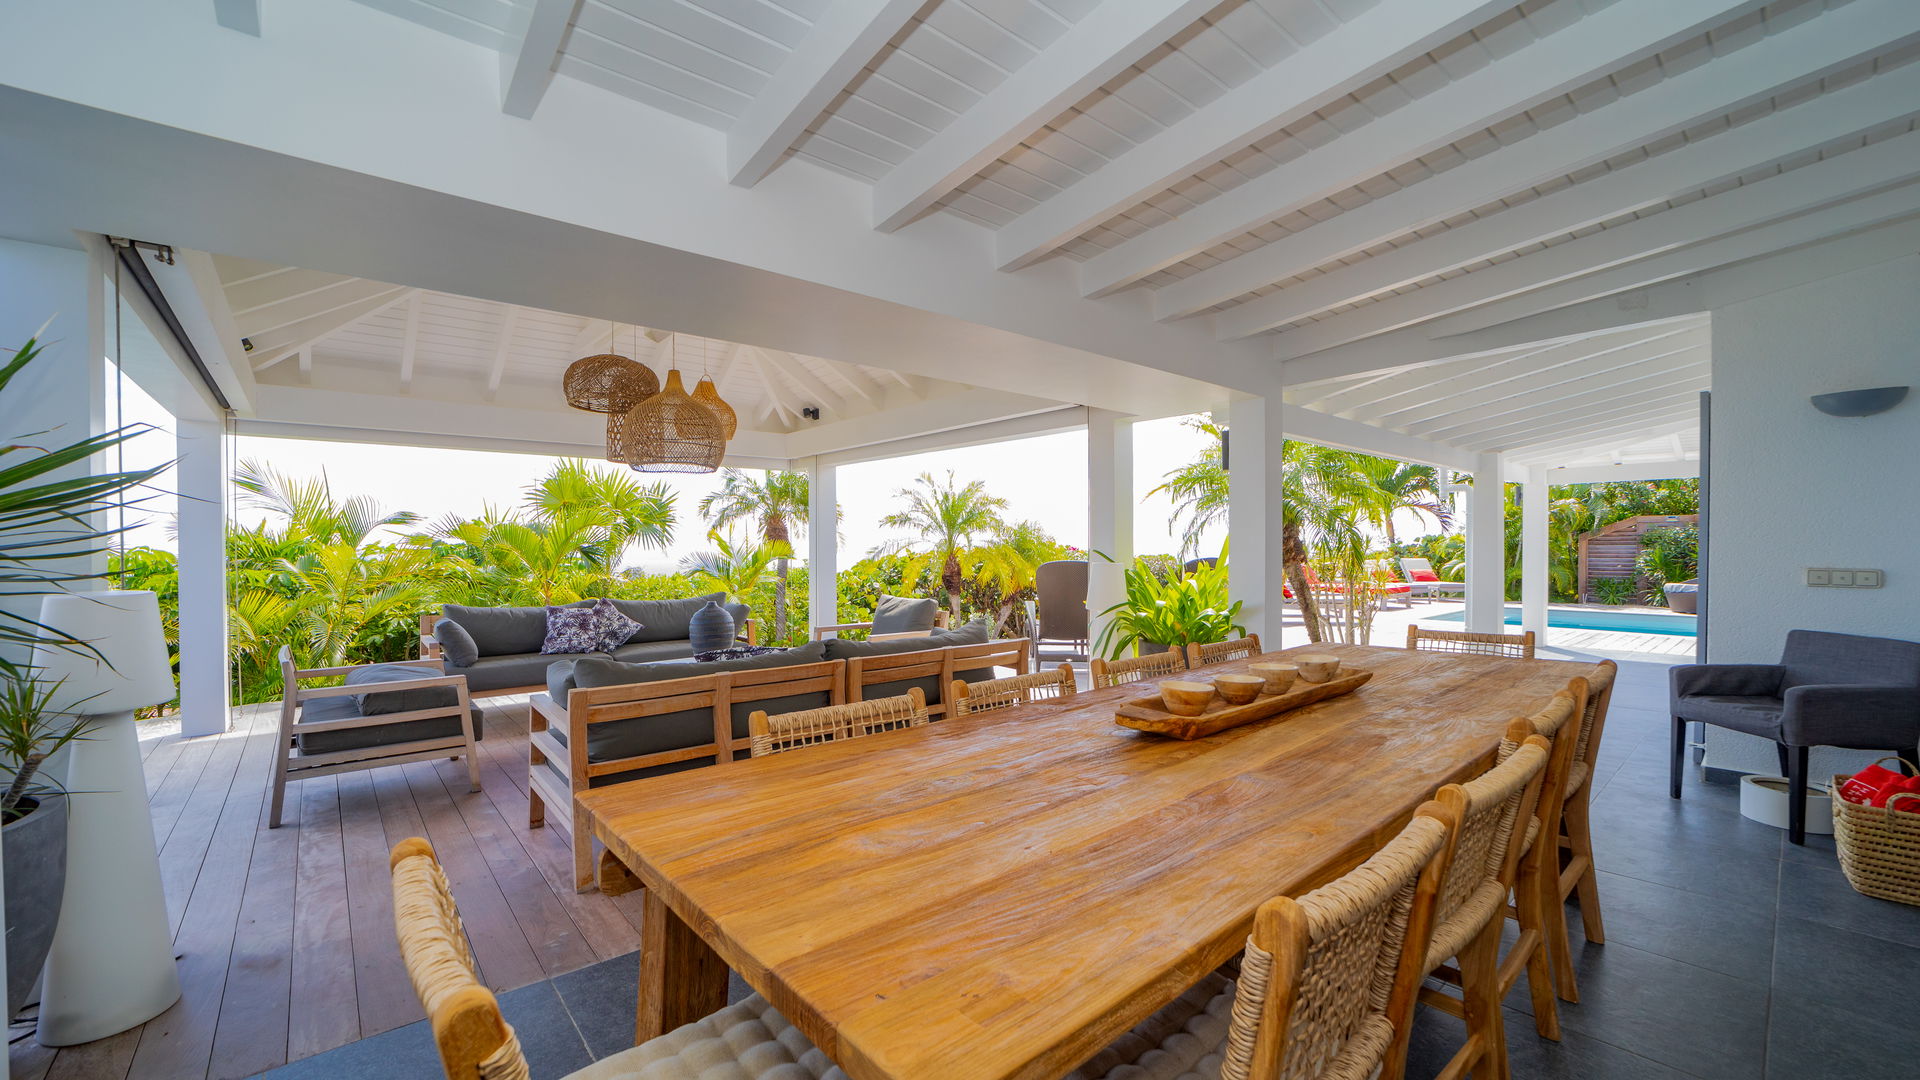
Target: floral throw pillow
615, 627
572, 630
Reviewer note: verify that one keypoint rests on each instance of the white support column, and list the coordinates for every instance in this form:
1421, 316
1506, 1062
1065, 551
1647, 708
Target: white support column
1256, 573
203, 469
823, 544
1486, 548
1109, 512
1535, 566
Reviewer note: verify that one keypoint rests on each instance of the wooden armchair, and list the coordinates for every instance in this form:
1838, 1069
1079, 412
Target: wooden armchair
323, 731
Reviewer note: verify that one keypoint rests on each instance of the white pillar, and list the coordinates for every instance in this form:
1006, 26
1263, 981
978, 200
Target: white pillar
1535, 566
1109, 512
1486, 548
202, 470
1256, 572
823, 544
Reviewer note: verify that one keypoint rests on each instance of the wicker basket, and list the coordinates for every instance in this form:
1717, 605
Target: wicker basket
1880, 845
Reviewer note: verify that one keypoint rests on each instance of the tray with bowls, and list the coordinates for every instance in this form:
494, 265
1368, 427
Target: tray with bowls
1193, 709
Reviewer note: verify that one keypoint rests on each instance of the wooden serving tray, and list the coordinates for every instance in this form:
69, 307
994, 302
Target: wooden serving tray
1148, 714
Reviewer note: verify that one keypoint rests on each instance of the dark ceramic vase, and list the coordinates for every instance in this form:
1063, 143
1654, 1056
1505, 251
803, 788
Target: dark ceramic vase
711, 629
36, 873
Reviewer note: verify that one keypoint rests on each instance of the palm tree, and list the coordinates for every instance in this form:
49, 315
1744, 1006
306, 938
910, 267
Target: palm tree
309, 510
734, 571
779, 504
1011, 564
630, 512
947, 517
1402, 485
1198, 489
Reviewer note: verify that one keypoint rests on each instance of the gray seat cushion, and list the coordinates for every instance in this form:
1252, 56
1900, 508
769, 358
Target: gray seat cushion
376, 735
675, 731
393, 701
509, 672
457, 646
1755, 715
973, 633
501, 631
903, 615
671, 620
560, 671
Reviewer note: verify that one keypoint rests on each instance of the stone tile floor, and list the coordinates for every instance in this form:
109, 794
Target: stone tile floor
1730, 954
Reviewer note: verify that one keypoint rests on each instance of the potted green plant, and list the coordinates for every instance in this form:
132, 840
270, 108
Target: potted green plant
33, 825
1186, 608
45, 546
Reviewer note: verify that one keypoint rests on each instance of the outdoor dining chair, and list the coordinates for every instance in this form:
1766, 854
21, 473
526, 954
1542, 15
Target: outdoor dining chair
1219, 652
779, 732
1134, 668
1513, 646
1018, 690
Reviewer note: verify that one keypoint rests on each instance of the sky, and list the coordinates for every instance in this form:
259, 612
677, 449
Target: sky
1043, 479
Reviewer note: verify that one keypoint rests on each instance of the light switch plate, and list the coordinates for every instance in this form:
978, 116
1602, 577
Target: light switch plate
1840, 578
1832, 577
1818, 577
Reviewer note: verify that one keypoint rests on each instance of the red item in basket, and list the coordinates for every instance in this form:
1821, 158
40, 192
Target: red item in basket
1874, 785
1909, 786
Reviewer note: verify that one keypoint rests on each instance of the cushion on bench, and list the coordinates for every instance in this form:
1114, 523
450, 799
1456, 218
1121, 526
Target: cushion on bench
903, 615
501, 631
973, 633
376, 735
393, 701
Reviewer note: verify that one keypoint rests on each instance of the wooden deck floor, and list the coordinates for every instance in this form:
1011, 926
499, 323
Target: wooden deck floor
285, 936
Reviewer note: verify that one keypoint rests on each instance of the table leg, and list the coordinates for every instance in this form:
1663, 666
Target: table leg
681, 978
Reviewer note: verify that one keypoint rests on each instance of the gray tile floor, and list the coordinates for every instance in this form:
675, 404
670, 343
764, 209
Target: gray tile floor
1730, 954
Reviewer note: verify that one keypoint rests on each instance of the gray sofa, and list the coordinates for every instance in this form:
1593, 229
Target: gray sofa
498, 649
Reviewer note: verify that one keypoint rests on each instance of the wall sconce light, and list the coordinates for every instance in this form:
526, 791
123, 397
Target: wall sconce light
1860, 402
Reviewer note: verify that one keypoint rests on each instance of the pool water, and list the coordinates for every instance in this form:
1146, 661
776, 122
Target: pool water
1629, 622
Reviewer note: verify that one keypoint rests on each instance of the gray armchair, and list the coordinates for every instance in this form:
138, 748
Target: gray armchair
1841, 690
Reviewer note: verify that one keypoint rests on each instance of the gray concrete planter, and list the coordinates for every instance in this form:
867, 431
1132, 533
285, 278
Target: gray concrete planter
36, 873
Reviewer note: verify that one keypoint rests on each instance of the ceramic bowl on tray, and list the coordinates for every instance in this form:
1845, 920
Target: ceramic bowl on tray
1317, 667
1186, 698
1238, 689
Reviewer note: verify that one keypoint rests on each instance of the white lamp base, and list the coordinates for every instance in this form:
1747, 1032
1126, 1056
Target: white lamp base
111, 966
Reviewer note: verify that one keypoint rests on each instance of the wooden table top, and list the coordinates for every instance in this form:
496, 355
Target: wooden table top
1001, 895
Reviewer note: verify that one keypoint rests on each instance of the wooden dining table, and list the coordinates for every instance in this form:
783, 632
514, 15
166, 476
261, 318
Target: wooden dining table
1000, 895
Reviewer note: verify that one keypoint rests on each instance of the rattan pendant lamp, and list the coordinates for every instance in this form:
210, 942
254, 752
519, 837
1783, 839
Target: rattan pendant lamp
612, 384
708, 394
670, 432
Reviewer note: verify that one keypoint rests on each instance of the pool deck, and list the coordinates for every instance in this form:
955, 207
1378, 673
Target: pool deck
1390, 628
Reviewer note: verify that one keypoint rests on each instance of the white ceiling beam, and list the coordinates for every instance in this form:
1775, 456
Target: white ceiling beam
1604, 41
859, 381
264, 319
410, 343
306, 365
1566, 369
1407, 390
533, 47
1416, 347
1313, 426
847, 36
297, 335
1774, 246
727, 363
1746, 75
1679, 468
1854, 110
1105, 42
241, 15
772, 387
1621, 417
1346, 58
1804, 188
1634, 423
502, 349
1654, 377
824, 396
595, 336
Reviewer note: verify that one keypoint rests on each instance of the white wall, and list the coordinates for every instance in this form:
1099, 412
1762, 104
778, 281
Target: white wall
1793, 487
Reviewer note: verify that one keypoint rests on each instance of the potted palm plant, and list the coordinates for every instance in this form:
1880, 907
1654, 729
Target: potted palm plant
45, 546
1188, 607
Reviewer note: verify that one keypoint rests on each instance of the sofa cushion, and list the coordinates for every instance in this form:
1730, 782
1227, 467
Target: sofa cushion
560, 672
1754, 715
457, 646
509, 672
903, 615
376, 735
393, 701
502, 631
670, 620
693, 727
973, 633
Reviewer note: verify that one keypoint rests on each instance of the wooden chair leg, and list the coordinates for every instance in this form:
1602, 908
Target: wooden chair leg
1480, 991
536, 809
1579, 825
1537, 896
279, 796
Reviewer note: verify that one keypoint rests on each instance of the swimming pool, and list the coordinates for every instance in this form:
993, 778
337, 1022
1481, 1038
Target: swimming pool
1627, 622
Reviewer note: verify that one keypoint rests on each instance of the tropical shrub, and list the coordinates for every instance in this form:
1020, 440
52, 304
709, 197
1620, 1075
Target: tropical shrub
1178, 611
1613, 590
1668, 555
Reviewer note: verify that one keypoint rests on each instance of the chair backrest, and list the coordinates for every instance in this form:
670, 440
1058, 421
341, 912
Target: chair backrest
936, 667
1593, 718
1517, 646
976, 697
1331, 975
719, 697
1814, 657
773, 734
474, 1040
1412, 562
1220, 652
1558, 722
1490, 809
1133, 668
1060, 588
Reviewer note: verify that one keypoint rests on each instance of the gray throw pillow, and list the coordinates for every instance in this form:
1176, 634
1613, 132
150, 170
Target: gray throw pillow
456, 645
393, 701
502, 631
903, 615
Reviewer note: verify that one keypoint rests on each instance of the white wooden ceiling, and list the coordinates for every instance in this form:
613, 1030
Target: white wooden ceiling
310, 328
1304, 174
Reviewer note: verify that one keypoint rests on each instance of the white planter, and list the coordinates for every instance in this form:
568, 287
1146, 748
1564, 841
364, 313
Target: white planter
1764, 799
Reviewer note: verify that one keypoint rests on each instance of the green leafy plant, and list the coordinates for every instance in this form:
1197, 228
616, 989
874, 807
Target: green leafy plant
1182, 609
1613, 590
1668, 555
30, 733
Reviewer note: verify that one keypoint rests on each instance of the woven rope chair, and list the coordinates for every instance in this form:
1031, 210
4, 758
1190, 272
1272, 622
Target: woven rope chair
1512, 646
1134, 668
1018, 690
749, 1038
1469, 911
1220, 652
1542, 945
780, 732
1322, 984
1576, 833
